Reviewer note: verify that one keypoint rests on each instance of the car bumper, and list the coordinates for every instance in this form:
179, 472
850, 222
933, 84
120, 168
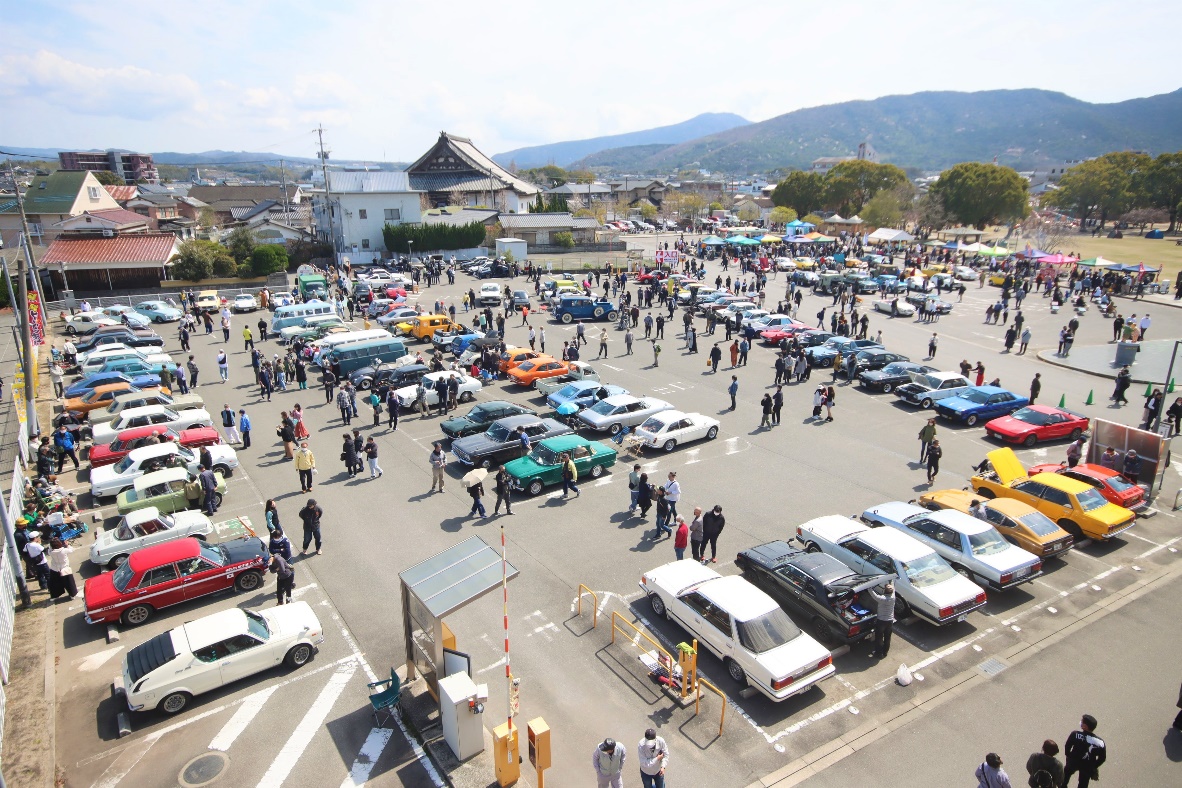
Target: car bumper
1115, 531
797, 687
957, 616
993, 585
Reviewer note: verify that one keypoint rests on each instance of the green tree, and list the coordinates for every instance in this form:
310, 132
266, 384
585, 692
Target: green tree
224, 264
801, 191
268, 259
852, 184
194, 260
539, 204
433, 237
885, 209
564, 239
979, 194
813, 219
715, 206
241, 242
557, 204
648, 211
1103, 187
1163, 185
782, 215
108, 178
749, 212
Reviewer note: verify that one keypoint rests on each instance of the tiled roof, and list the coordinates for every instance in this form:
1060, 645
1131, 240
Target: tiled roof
118, 216
542, 221
121, 193
192, 202
122, 251
158, 199
252, 194
482, 168
576, 189
377, 181
458, 217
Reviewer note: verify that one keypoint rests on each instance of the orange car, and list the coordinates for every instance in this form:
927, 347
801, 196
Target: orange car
528, 373
514, 356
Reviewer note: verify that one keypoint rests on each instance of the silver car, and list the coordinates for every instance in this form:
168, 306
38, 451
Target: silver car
622, 410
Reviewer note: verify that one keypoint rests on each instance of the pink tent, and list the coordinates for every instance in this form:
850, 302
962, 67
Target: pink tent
1058, 259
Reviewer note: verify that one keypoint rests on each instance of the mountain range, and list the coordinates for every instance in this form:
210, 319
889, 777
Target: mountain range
563, 153
924, 131
205, 158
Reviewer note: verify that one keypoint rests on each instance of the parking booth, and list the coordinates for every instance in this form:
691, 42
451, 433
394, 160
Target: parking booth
434, 589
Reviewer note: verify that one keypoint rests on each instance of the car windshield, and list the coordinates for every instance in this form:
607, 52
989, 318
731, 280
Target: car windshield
527, 366
927, 570
122, 576
603, 408
653, 424
257, 625
1091, 499
125, 532
570, 390
895, 369
499, 433
1031, 416
123, 465
988, 543
543, 455
215, 553
1039, 523
771, 630
977, 396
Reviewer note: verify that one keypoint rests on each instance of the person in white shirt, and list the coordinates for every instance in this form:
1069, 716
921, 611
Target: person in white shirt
672, 494
61, 575
1144, 326
653, 753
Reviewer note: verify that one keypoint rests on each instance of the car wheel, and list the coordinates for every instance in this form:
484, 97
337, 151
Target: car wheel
158, 319
613, 316
736, 671
902, 609
821, 630
658, 606
467, 396
926, 404
486, 463
596, 471
134, 616
1071, 528
566, 318
712, 433
615, 429
886, 388
224, 470
175, 702
597, 313
248, 581
811, 547
116, 562
669, 445
1075, 433
535, 487
364, 384
217, 500
960, 570
1030, 441
985, 492
298, 656
971, 420
71, 330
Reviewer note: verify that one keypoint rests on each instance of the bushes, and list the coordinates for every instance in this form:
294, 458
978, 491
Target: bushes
564, 239
432, 237
268, 259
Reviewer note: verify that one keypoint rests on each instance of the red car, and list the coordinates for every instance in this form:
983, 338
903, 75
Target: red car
1036, 423
1109, 483
396, 292
773, 336
649, 276
170, 573
136, 437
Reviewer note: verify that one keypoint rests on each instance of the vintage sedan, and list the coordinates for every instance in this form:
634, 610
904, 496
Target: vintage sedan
200, 656
514, 356
143, 528
126, 400
824, 355
973, 547
926, 390
110, 480
467, 392
394, 374
541, 467
577, 370
930, 303
1019, 523
623, 410
93, 381
97, 398
668, 429
980, 403
125, 315
924, 582
166, 491
815, 587
151, 414
444, 339
83, 323
1110, 483
876, 358
583, 393
897, 373
168, 574
158, 311
134, 438
480, 417
896, 307
501, 442
1077, 507
528, 374
755, 328
741, 625
1036, 423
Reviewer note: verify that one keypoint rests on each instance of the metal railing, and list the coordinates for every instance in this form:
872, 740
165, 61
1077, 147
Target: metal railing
616, 617
583, 591
53, 308
717, 691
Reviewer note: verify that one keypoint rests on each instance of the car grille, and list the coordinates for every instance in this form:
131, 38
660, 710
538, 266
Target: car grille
461, 455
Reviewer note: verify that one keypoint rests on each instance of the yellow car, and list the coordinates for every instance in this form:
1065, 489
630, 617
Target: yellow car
932, 270
1078, 508
805, 263
1018, 522
998, 280
424, 326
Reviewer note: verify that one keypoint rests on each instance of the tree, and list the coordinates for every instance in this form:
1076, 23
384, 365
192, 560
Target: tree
108, 178
431, 237
781, 215
1102, 187
564, 239
648, 211
194, 260
1163, 185
241, 243
885, 209
852, 184
539, 204
801, 191
557, 204
979, 194
207, 217
715, 206
749, 212
928, 214
268, 259
688, 206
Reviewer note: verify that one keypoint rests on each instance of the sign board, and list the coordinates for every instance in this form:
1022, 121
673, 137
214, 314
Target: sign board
36, 318
665, 256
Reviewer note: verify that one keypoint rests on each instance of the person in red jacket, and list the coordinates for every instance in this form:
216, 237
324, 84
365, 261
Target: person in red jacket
681, 538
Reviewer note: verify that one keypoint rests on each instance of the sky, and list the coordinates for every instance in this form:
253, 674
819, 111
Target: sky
384, 78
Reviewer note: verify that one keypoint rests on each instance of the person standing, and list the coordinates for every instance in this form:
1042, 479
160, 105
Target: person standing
932, 346
629, 337
777, 405
734, 351
330, 382
934, 455
608, 761
305, 463
733, 390
310, 516
744, 349
61, 575
392, 408
681, 538
662, 514
715, 357
818, 401
656, 354
926, 435
633, 488
1178, 719
644, 495
1085, 753
884, 623
344, 406
1025, 340
209, 486
602, 344
1075, 451
1045, 770
672, 492
766, 407
63, 442
653, 754
284, 578
990, 774
712, 524
223, 361
1035, 387
349, 455
570, 475
696, 534
438, 461
503, 487
980, 370
248, 339
56, 373
371, 455
244, 428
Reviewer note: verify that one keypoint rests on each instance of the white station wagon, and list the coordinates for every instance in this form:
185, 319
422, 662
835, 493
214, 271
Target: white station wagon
142, 528
170, 669
741, 625
114, 479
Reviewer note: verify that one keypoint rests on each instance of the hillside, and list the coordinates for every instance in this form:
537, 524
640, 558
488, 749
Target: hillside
564, 153
220, 157
1022, 128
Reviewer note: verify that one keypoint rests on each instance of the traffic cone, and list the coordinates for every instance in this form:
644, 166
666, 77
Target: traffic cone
1089, 400
1148, 389
1170, 388
1063, 401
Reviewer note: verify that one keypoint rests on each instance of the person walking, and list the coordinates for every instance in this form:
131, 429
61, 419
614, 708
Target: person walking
681, 538
644, 495
248, 339
284, 578
244, 428
733, 390
305, 463
662, 514
712, 524
570, 475
629, 337
608, 761
1085, 753
310, 516
656, 354
715, 357
1035, 387
271, 515
371, 455
884, 622
344, 406
476, 490
766, 406
653, 754
777, 405
990, 774
633, 488
602, 343
1025, 340
696, 534
223, 361
438, 461
927, 434
1045, 770
932, 346
349, 455
56, 374
503, 487
934, 455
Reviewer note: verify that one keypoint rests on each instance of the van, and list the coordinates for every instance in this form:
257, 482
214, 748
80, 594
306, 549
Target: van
286, 334
356, 355
322, 347
297, 314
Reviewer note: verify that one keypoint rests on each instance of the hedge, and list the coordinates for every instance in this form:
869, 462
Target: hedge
431, 237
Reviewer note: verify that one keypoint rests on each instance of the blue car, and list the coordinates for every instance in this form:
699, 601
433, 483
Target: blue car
823, 355
891, 283
135, 367
158, 311
980, 402
582, 393
90, 382
581, 307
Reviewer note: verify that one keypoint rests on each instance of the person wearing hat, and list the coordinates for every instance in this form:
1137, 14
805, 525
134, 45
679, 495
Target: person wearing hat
990, 774
608, 760
884, 624
653, 753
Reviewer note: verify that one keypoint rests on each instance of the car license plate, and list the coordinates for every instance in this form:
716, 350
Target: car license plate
1022, 572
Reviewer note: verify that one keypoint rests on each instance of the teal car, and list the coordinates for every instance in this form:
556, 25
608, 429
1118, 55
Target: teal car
541, 467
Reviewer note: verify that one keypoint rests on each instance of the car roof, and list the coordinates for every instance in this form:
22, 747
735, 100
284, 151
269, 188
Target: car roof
138, 516
1097, 471
989, 390
141, 432
945, 375
1064, 483
164, 553
520, 420
567, 442
620, 399
737, 596
960, 521
131, 396
895, 543
143, 410
159, 477
215, 628
154, 450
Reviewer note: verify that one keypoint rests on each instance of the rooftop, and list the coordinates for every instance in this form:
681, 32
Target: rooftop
529, 221
135, 251
378, 181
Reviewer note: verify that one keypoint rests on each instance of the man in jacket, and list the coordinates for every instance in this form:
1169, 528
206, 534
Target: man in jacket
209, 485
1045, 770
926, 435
672, 494
608, 762
570, 474
344, 407
63, 441
712, 524
284, 578
310, 515
884, 624
1085, 753
503, 486
733, 390
438, 461
228, 424
653, 753
244, 427
305, 462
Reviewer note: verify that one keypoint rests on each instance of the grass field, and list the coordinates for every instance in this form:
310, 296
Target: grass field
1131, 249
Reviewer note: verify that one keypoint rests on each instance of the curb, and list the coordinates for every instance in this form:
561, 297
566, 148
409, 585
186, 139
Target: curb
1057, 361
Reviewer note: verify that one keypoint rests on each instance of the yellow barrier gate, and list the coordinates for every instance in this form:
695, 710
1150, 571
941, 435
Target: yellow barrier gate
583, 591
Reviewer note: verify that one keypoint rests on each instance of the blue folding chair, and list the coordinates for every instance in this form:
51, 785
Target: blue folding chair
387, 700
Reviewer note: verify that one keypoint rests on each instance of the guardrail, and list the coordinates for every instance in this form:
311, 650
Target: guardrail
583, 590
716, 690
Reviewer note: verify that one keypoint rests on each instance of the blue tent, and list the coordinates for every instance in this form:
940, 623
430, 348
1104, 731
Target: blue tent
712, 240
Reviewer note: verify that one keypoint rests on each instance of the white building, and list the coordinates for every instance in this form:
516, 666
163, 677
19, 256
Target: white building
362, 203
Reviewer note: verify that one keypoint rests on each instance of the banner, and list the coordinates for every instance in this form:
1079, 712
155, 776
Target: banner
36, 318
665, 256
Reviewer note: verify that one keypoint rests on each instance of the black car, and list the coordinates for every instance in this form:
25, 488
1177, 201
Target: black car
396, 376
501, 443
362, 292
491, 270
896, 373
816, 587
877, 358
480, 417
120, 335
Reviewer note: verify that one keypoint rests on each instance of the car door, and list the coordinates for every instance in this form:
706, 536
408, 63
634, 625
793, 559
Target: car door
1056, 501
200, 577
790, 587
1010, 530
1056, 427
246, 656
855, 554
1031, 492
582, 457
701, 618
152, 531
159, 587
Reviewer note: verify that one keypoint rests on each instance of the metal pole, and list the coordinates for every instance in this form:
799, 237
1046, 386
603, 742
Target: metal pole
1166, 386
26, 345
505, 610
20, 204
18, 567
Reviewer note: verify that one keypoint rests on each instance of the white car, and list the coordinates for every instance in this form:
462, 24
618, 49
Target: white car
489, 294
119, 311
924, 390
972, 546
377, 276
964, 273
148, 415
579, 370
98, 359
468, 388
142, 528
244, 302
785, 264
86, 322
741, 625
621, 410
669, 428
138, 399
397, 315
110, 480
170, 669
895, 307
109, 349
925, 584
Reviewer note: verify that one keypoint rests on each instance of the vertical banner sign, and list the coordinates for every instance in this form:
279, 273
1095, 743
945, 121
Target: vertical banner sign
36, 318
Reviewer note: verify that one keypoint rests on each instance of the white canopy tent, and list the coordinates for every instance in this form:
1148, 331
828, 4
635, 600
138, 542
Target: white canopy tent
889, 235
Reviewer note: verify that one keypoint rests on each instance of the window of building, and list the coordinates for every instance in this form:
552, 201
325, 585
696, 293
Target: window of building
393, 214
364, 242
93, 191
361, 213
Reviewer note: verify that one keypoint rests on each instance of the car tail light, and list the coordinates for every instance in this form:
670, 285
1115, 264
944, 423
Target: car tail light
799, 532
825, 662
855, 629
1007, 577
1037, 567
945, 612
780, 684
980, 600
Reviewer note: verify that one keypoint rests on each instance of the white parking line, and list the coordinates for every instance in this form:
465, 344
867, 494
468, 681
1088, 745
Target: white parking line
242, 718
126, 761
285, 761
367, 759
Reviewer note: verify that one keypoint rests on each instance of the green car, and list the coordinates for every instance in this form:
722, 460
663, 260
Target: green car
540, 467
165, 490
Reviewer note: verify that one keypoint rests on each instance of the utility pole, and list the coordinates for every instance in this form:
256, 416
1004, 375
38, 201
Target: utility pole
327, 194
20, 204
26, 329
283, 181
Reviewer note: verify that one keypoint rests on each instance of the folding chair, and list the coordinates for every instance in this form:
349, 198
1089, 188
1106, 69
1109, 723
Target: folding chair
387, 700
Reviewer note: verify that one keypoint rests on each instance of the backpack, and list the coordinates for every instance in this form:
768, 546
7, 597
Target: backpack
1043, 779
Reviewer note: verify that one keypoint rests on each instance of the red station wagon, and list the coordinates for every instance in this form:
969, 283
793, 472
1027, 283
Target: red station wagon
170, 573
136, 437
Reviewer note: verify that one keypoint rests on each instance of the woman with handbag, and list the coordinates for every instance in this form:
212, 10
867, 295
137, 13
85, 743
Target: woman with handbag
349, 455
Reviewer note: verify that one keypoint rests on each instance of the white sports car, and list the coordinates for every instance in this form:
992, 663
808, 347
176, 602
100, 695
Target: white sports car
897, 307
669, 428
244, 302
468, 388
170, 669
141, 528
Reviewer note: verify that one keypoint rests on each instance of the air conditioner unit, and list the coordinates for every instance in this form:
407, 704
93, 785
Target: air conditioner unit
108, 233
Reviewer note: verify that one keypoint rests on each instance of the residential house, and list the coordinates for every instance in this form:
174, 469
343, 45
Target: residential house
156, 207
108, 223
633, 190
455, 172
763, 204
131, 167
85, 263
122, 193
223, 199
362, 203
540, 228
50, 199
581, 195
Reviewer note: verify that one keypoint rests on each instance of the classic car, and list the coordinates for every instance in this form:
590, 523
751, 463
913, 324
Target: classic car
82, 323
108, 480
973, 547
929, 303
97, 398
138, 399
443, 339
741, 625
244, 302
1079, 508
541, 467
528, 373
121, 313
101, 360
489, 294
151, 414
399, 314
671, 428
481, 416
896, 307
876, 358
135, 367
468, 388
165, 490
894, 374
777, 334
513, 356
927, 389
423, 327
1019, 523
823, 356
208, 301
143, 528
134, 438
980, 403
200, 656
924, 582
579, 307
753, 328
1111, 483
158, 311
623, 410
576, 370
170, 573
1036, 423
395, 374
817, 588
583, 393
119, 335
501, 441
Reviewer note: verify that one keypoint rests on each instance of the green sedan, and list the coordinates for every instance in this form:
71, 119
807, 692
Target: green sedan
166, 491
541, 467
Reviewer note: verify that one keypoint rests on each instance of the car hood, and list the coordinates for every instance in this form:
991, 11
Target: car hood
951, 592
1006, 465
1010, 426
457, 425
524, 467
291, 620
476, 444
958, 404
99, 591
590, 417
876, 374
